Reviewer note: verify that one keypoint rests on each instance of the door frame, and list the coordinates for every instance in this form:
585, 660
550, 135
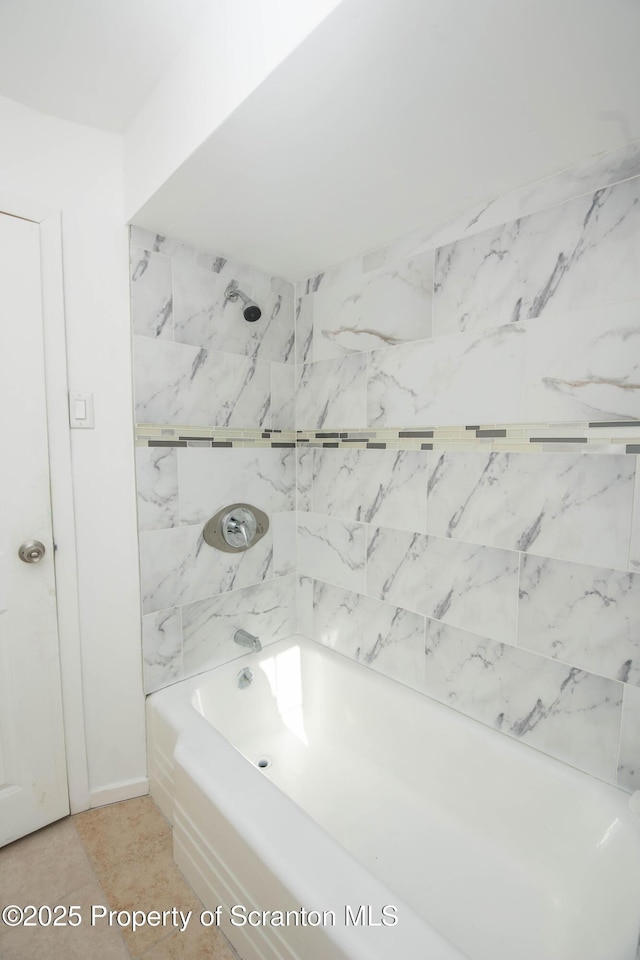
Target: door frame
61, 478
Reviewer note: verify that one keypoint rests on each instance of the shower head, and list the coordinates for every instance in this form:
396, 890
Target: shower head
250, 310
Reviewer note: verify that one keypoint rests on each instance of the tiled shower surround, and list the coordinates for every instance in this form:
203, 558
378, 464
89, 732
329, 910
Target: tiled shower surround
466, 476
198, 362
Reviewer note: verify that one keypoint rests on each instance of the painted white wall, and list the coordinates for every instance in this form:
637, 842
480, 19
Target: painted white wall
237, 44
79, 170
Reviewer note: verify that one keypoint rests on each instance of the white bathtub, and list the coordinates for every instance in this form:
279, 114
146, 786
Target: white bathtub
377, 797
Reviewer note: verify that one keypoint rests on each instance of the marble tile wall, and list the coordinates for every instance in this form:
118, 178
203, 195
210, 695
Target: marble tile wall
198, 364
193, 594
573, 506
188, 338
502, 582
573, 255
593, 373
513, 569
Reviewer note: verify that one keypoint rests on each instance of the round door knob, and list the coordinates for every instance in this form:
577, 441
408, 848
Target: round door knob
31, 551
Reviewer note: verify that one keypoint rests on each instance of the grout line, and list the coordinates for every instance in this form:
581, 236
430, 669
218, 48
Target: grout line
517, 623
434, 253
635, 513
619, 745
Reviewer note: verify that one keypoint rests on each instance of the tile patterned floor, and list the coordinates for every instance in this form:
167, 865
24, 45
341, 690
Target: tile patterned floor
118, 856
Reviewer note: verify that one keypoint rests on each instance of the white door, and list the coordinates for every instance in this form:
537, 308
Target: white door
33, 781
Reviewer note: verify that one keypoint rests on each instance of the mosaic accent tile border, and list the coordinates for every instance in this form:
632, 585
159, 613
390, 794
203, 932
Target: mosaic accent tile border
575, 437
621, 436
161, 435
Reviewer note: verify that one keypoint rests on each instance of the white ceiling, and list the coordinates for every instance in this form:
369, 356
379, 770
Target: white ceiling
396, 114
393, 115
91, 61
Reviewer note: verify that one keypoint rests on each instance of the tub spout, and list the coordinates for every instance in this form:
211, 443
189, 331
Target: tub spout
247, 640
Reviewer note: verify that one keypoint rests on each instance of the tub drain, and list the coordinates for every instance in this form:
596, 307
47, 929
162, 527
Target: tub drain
263, 763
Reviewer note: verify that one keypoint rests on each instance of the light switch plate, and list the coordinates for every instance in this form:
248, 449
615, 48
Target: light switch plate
81, 411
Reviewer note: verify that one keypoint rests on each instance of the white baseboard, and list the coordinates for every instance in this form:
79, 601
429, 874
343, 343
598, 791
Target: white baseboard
118, 792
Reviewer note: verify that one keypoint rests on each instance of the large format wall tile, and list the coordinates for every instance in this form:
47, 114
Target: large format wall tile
383, 308
304, 329
267, 610
304, 606
161, 649
469, 586
332, 393
559, 709
151, 294
350, 270
375, 486
283, 396
245, 275
382, 636
584, 365
471, 378
157, 482
304, 478
212, 478
587, 616
176, 383
586, 251
285, 543
332, 550
572, 506
177, 566
629, 758
205, 318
